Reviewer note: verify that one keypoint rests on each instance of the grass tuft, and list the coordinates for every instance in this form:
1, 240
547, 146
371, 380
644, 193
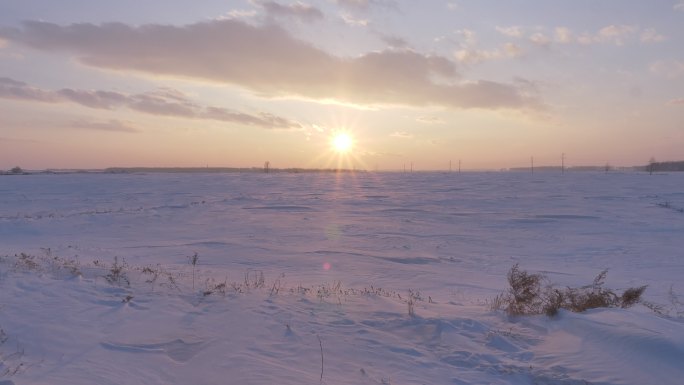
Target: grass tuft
532, 294
117, 273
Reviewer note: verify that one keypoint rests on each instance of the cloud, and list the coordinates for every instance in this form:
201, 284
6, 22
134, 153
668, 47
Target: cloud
512, 50
676, 102
564, 35
468, 53
353, 21
670, 69
611, 34
615, 33
394, 41
162, 102
93, 99
474, 56
362, 4
467, 37
270, 62
513, 31
300, 11
365, 4
261, 119
679, 6
585, 39
239, 14
13, 89
111, 125
650, 35
540, 39
526, 84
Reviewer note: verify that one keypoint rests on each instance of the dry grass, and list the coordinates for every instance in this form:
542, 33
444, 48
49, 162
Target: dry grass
120, 273
532, 294
117, 273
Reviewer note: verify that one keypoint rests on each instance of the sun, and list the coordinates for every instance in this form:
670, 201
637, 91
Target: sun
342, 142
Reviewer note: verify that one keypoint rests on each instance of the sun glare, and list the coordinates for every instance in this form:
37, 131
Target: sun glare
342, 142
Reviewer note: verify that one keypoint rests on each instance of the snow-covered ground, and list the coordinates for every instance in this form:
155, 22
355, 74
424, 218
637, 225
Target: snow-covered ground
309, 278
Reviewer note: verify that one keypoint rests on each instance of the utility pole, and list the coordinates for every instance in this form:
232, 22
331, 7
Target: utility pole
532, 164
563, 163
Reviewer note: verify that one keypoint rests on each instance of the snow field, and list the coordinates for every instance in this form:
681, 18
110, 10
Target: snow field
325, 245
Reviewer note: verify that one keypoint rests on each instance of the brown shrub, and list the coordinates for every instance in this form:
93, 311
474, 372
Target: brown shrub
528, 294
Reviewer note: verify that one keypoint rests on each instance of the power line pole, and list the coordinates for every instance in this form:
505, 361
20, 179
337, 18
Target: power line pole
563, 163
532, 164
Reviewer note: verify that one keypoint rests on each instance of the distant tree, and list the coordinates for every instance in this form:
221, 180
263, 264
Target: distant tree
16, 170
667, 166
651, 165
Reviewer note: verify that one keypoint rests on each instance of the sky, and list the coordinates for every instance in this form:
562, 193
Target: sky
219, 83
